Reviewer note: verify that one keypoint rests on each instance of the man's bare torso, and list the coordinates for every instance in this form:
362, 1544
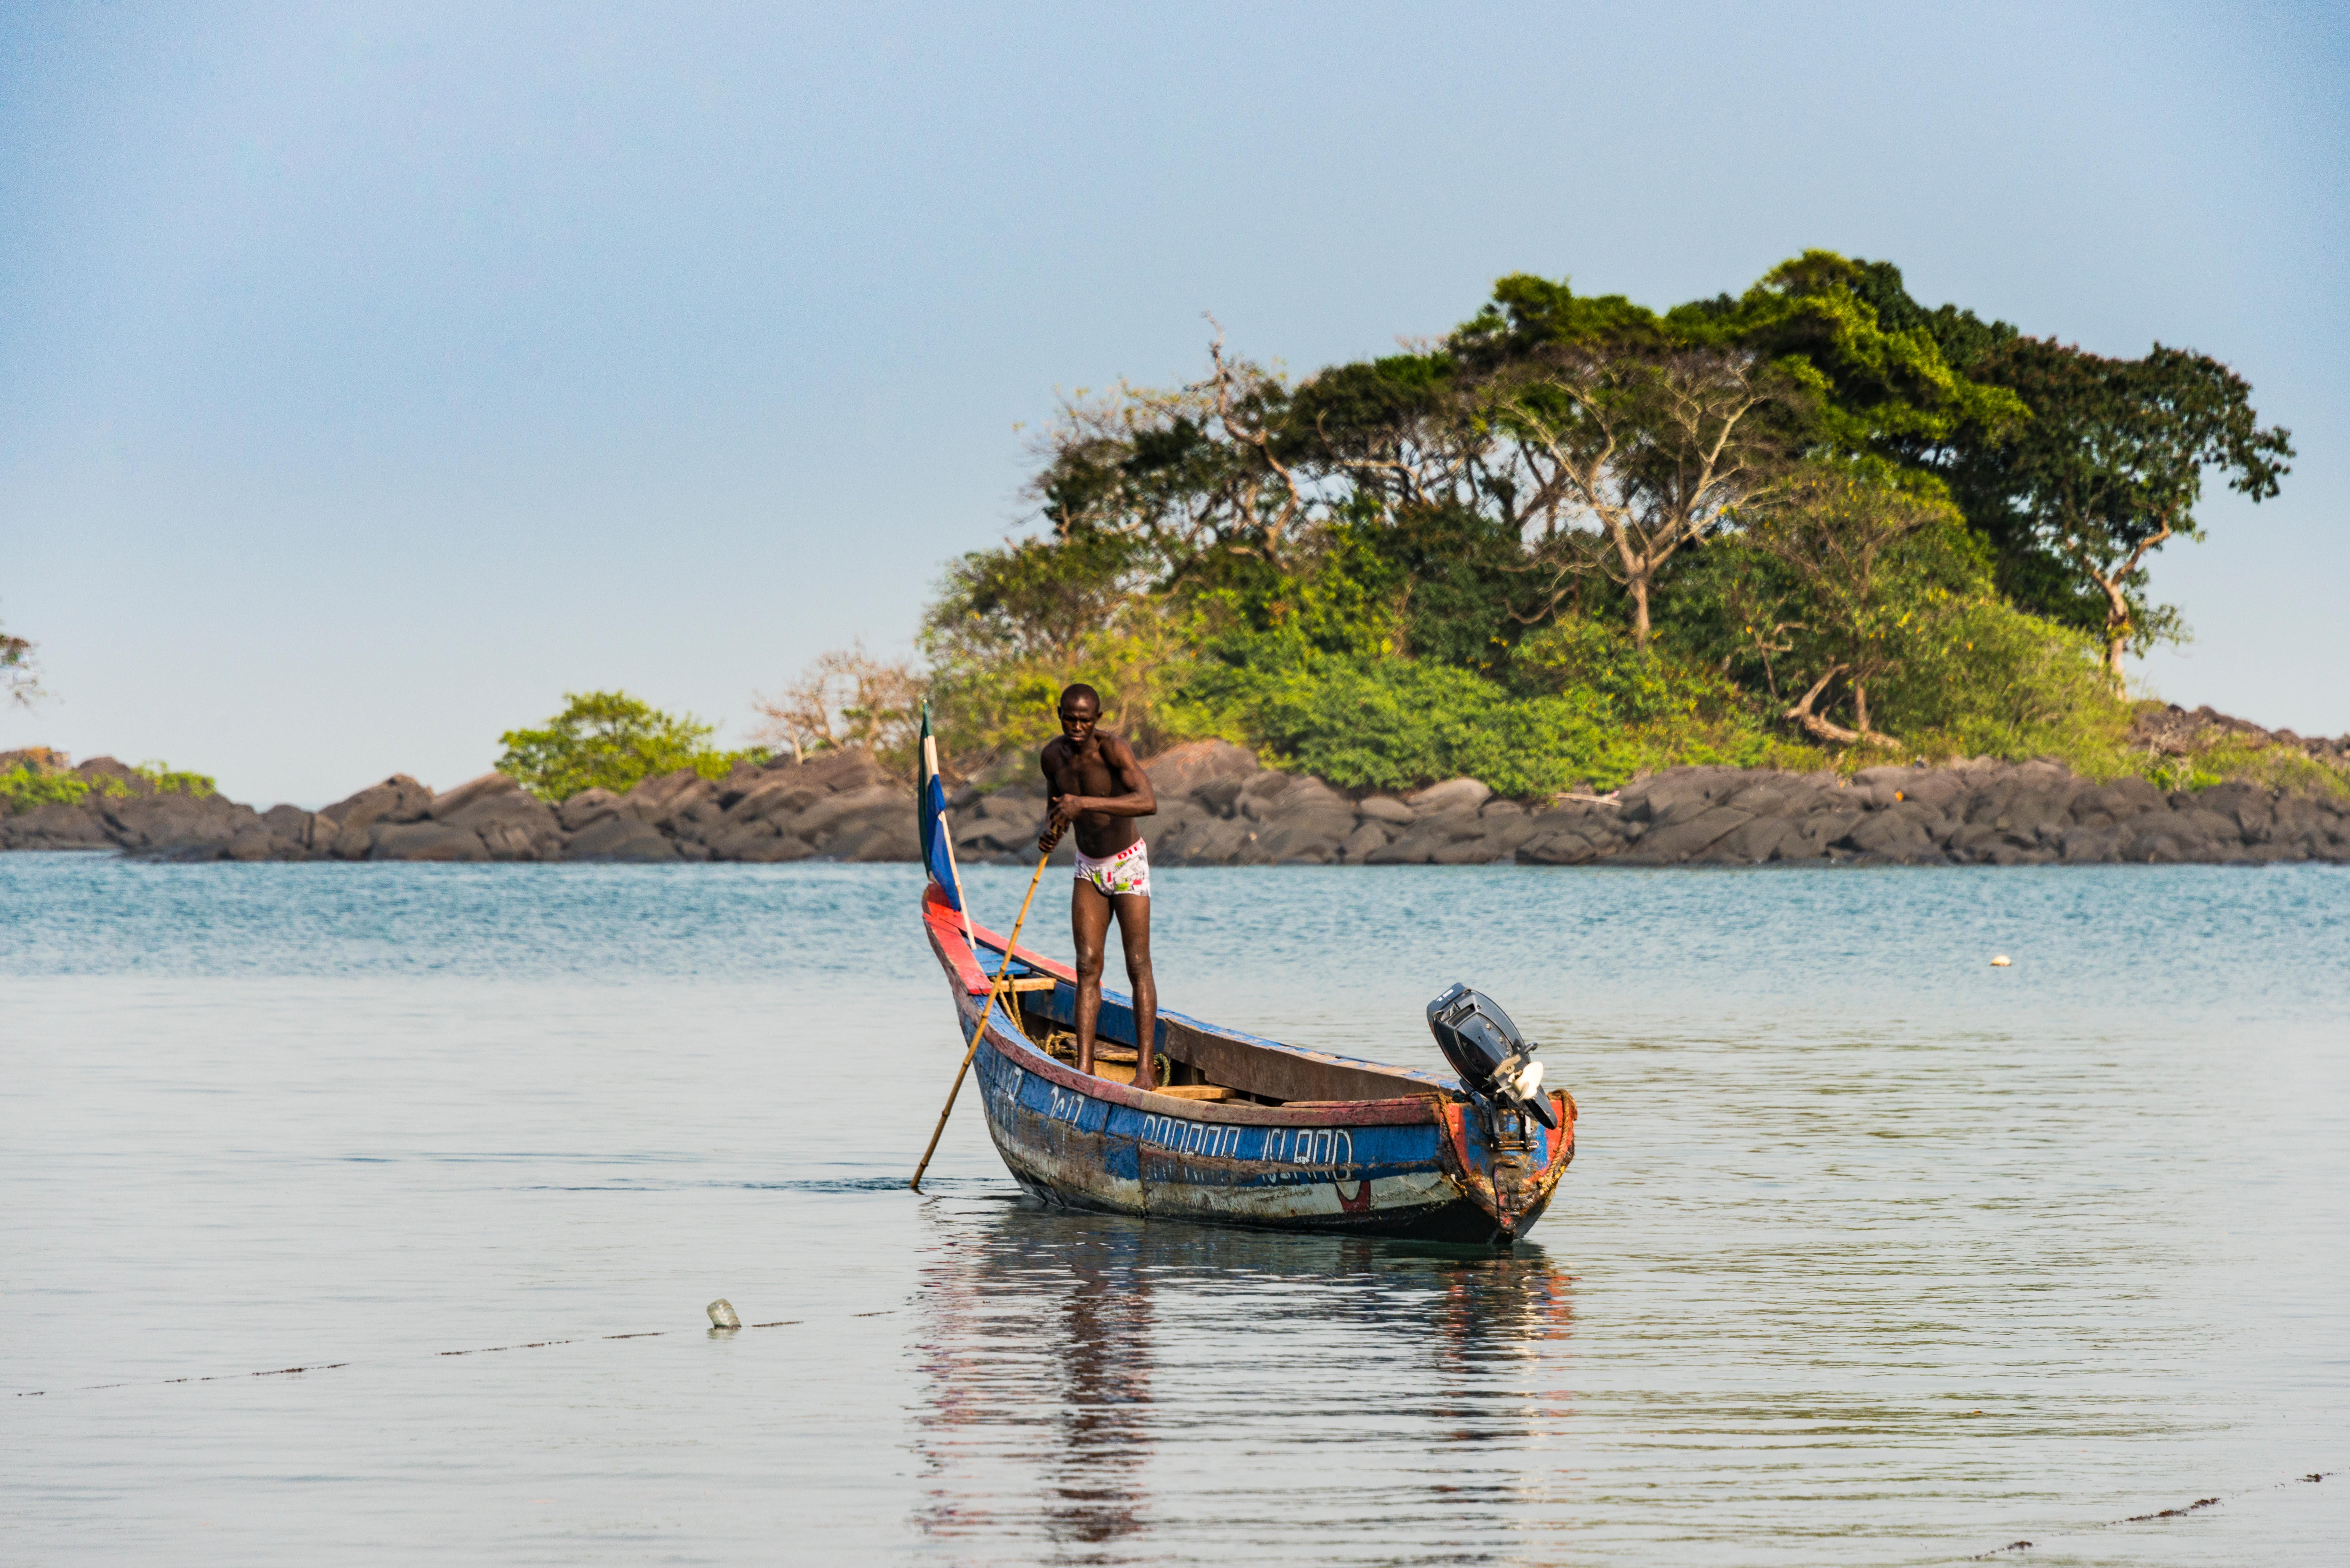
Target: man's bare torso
1101, 766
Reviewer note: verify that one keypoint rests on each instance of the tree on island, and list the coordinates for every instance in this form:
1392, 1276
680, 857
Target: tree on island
2104, 466
1661, 430
845, 698
2109, 467
1588, 435
1652, 437
608, 740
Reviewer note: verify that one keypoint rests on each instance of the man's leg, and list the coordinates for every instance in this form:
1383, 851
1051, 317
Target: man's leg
1134, 930
1089, 924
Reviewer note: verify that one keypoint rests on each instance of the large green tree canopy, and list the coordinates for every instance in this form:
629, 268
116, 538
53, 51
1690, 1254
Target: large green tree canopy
1818, 499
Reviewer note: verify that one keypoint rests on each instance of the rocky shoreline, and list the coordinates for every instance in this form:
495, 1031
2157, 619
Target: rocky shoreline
844, 806
1218, 806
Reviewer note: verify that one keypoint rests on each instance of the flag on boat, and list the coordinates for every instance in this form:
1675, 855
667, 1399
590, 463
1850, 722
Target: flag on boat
938, 839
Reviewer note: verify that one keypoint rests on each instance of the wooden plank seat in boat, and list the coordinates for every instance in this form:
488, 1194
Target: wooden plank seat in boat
1117, 1062
1019, 982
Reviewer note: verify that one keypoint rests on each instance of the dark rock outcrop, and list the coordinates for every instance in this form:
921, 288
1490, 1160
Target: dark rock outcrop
1979, 814
1218, 806
2175, 731
510, 823
56, 826
399, 800
623, 838
842, 807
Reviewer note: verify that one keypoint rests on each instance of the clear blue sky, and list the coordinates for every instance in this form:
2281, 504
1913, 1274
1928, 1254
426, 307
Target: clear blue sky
371, 375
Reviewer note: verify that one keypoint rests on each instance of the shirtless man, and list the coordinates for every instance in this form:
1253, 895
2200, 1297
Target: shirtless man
1098, 786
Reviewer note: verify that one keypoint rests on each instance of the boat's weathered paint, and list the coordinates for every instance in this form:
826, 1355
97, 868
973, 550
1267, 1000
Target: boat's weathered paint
1419, 1165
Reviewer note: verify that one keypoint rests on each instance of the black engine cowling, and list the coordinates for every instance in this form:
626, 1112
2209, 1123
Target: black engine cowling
1485, 1048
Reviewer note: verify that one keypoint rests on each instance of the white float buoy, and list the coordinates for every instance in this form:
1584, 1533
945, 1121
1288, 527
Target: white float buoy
2000, 961
721, 1314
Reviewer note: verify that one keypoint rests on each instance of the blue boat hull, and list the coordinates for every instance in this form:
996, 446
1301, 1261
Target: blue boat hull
1076, 1152
1415, 1162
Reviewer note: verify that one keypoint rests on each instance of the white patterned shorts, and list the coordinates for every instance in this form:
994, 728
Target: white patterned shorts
1127, 871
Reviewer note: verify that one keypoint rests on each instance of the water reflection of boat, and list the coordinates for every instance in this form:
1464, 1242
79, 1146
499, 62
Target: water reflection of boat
1047, 1353
1246, 1131
1080, 1375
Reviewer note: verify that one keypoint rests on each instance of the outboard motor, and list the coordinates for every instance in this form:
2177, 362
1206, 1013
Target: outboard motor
1485, 1048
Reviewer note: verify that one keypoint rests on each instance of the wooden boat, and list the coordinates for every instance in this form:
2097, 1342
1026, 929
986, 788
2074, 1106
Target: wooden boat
1245, 1131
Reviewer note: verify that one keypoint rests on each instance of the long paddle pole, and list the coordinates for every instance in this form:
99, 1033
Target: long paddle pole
1002, 974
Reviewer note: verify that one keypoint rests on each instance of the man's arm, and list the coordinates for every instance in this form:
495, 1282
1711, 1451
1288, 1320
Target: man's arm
1052, 759
1137, 801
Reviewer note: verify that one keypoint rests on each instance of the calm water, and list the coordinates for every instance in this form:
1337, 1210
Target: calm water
1873, 1253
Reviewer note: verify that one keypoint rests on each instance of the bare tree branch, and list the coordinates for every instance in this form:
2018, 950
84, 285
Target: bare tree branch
844, 698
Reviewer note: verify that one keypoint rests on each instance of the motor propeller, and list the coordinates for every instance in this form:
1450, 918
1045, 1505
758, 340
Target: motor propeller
1494, 1061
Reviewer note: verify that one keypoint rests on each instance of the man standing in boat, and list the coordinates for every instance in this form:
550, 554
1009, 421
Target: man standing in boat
1098, 787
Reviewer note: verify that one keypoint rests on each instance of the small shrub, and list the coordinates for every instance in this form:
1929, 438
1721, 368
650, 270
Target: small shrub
30, 784
608, 740
1639, 685
167, 780
1396, 724
1987, 679
2273, 767
22, 788
2170, 773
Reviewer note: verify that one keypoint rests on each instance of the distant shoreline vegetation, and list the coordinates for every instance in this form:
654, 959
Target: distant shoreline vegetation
38, 777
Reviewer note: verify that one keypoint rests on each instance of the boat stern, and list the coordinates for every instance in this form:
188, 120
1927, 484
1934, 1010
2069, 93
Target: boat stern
1507, 1162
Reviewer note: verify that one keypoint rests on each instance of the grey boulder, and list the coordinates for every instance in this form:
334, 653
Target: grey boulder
622, 838
586, 809
511, 823
424, 841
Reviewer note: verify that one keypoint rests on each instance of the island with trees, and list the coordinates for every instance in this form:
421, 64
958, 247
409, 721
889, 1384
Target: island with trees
1809, 571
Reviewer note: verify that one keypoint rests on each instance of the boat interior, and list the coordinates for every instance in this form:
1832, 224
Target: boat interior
1198, 1062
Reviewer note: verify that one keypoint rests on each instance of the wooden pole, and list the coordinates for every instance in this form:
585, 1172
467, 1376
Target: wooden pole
1003, 972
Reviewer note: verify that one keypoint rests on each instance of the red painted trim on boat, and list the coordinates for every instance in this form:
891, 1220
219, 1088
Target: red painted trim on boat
940, 917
